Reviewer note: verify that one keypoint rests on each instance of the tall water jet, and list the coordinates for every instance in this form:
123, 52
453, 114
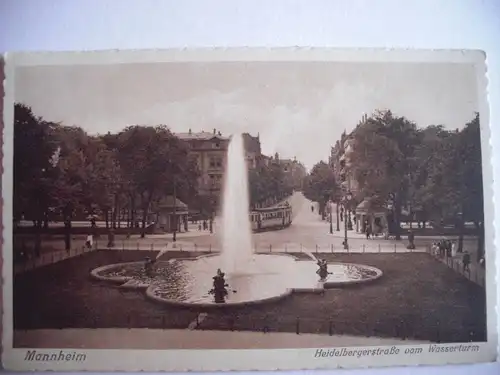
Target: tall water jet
236, 228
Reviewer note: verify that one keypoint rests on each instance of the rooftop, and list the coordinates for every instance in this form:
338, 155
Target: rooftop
169, 202
202, 136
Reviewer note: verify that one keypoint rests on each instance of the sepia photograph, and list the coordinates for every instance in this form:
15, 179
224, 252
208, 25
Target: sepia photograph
339, 204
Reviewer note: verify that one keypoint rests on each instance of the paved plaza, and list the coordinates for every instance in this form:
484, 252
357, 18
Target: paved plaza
158, 339
308, 233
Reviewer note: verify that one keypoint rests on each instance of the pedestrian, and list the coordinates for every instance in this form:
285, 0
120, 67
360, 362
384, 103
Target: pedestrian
448, 248
466, 261
453, 249
199, 227
312, 208
411, 239
205, 225
89, 242
441, 248
434, 249
368, 232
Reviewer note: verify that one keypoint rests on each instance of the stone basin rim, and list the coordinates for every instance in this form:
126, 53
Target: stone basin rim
150, 288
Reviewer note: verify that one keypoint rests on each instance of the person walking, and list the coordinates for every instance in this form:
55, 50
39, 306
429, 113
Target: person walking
368, 232
453, 249
89, 242
411, 240
466, 261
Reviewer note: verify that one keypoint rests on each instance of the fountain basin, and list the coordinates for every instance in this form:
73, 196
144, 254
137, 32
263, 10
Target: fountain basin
264, 278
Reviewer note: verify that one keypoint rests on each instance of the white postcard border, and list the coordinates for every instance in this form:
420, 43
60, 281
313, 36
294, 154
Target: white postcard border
268, 359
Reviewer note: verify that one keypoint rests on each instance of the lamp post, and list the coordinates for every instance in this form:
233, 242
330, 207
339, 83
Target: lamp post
211, 222
174, 234
346, 200
331, 219
349, 221
337, 212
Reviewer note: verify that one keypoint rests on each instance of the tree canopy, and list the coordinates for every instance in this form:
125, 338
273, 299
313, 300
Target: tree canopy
320, 184
268, 181
63, 173
431, 173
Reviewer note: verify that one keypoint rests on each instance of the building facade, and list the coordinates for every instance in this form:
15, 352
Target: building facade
210, 152
295, 172
340, 162
366, 210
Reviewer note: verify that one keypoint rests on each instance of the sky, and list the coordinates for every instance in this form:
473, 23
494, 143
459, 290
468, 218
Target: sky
299, 109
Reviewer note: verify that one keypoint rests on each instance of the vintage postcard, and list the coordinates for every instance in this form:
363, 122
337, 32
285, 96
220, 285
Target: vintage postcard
247, 209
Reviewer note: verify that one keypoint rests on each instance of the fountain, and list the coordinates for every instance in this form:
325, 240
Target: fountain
241, 275
237, 249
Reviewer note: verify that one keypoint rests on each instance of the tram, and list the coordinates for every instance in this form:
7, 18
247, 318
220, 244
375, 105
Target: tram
271, 218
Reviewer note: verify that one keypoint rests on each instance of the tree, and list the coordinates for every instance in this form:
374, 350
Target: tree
268, 183
71, 192
472, 191
428, 155
382, 160
153, 160
320, 185
257, 185
33, 171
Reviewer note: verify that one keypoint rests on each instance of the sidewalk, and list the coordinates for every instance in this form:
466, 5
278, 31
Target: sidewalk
476, 273
115, 338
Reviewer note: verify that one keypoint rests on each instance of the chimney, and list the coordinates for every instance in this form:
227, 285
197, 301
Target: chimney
189, 131
215, 131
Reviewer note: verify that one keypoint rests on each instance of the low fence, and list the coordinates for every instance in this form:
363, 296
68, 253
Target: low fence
31, 261
260, 248
474, 272
396, 328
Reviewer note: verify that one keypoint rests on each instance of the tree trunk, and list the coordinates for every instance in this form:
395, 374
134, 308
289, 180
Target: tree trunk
461, 227
67, 229
45, 220
132, 211
115, 212
144, 217
38, 237
106, 218
145, 211
397, 218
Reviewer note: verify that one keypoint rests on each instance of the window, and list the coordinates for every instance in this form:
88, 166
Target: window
215, 162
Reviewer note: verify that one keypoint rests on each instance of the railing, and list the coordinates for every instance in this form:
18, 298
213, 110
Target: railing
47, 258
474, 272
434, 330
188, 246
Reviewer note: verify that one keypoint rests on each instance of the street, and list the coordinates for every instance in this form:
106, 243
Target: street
307, 233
